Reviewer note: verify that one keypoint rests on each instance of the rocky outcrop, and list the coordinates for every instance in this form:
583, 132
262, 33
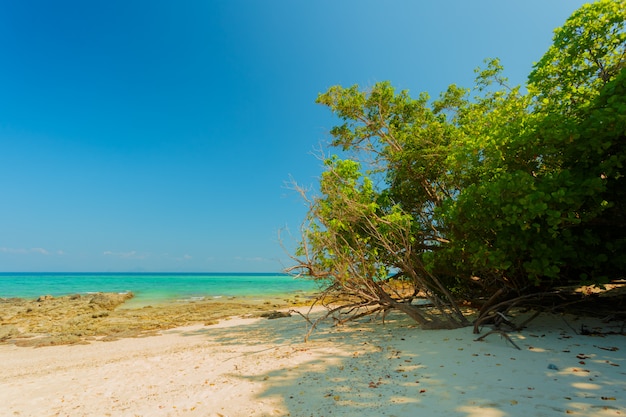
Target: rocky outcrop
109, 301
8, 332
48, 321
270, 315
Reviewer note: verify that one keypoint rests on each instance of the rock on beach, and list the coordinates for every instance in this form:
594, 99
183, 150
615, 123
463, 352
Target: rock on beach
73, 319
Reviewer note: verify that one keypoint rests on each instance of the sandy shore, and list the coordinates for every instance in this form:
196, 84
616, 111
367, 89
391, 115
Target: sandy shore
260, 367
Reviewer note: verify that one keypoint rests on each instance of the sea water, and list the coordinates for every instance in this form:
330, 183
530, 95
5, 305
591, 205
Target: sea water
155, 287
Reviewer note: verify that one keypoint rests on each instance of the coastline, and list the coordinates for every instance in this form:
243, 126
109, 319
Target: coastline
259, 367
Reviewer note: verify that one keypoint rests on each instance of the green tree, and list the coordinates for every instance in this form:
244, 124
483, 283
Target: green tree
490, 193
355, 240
547, 207
543, 202
578, 89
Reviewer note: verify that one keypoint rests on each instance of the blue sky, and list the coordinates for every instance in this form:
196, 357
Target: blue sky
159, 135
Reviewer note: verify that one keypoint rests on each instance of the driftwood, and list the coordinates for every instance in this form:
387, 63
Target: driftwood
495, 313
350, 311
502, 333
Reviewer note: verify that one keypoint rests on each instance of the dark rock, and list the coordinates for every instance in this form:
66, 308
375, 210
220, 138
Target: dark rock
275, 314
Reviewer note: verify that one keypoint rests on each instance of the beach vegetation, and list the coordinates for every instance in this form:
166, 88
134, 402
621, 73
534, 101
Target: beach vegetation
493, 193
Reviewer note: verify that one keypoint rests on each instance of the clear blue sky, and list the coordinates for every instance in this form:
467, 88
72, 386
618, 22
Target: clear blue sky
158, 135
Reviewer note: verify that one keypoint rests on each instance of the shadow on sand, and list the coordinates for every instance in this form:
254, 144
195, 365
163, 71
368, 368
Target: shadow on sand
396, 369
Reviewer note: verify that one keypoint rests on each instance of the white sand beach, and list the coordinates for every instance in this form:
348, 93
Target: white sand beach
260, 367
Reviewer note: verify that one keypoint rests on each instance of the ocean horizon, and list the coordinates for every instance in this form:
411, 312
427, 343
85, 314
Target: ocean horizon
154, 287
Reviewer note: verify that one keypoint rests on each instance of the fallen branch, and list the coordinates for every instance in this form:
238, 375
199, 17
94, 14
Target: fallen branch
502, 333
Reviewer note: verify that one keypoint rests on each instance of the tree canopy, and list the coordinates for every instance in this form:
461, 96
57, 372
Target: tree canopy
497, 191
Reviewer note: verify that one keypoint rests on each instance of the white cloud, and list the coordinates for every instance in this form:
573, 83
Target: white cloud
23, 251
12, 250
185, 257
251, 259
126, 255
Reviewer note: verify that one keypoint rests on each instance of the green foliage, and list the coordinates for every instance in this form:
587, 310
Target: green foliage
587, 52
338, 231
546, 207
495, 186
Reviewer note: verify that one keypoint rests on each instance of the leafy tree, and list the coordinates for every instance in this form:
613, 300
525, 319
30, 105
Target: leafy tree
495, 193
547, 207
578, 89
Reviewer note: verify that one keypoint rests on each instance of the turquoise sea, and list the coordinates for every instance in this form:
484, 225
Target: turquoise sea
155, 287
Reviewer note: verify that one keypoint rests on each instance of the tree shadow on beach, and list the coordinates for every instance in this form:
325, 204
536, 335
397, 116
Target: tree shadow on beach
398, 370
